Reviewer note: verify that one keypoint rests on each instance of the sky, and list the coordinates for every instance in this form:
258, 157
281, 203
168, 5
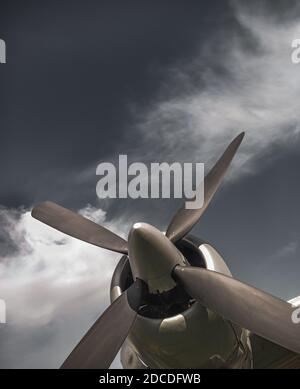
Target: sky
159, 81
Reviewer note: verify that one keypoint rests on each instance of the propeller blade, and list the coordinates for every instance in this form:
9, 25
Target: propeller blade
77, 226
185, 219
248, 307
100, 345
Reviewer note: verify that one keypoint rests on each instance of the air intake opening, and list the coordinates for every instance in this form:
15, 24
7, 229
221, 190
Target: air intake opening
189, 247
166, 304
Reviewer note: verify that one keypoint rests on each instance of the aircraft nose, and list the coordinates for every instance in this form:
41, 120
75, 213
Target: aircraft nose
152, 257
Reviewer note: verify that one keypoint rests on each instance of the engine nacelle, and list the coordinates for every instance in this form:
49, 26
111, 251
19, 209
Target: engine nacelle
174, 331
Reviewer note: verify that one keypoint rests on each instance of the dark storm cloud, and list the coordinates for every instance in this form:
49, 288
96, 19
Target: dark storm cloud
72, 71
168, 80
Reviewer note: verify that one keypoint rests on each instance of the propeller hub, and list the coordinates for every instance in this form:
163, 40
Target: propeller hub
152, 257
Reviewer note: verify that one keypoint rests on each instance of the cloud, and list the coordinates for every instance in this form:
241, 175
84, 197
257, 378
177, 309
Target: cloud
286, 252
54, 287
277, 272
241, 79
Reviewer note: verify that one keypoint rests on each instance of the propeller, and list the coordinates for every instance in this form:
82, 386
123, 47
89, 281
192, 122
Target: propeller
79, 227
250, 308
100, 345
240, 303
185, 219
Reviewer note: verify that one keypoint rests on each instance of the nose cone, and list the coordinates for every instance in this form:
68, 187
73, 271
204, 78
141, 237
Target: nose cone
152, 257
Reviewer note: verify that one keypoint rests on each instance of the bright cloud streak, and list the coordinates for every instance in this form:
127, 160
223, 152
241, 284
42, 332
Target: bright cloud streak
51, 280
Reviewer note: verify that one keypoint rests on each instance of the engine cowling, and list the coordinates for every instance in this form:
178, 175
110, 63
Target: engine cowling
174, 331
